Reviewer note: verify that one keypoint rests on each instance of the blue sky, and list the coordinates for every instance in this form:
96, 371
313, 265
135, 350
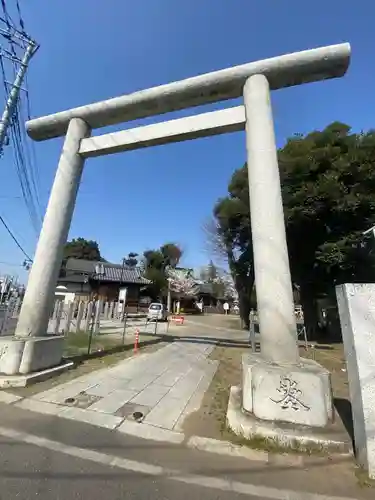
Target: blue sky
104, 48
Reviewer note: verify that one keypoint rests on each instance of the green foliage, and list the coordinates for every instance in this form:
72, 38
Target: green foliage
131, 260
156, 263
171, 253
233, 228
82, 249
328, 184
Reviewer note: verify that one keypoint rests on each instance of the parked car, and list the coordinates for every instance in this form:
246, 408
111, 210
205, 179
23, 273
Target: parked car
157, 312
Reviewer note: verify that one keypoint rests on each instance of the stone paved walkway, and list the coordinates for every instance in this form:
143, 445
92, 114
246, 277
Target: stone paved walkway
165, 386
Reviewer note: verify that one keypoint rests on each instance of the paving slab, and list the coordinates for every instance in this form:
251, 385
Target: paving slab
91, 417
166, 413
107, 386
61, 393
164, 383
151, 395
114, 401
141, 382
170, 377
186, 386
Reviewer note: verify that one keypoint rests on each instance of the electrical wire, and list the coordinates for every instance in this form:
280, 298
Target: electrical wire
30, 156
25, 162
14, 238
27, 176
22, 24
11, 264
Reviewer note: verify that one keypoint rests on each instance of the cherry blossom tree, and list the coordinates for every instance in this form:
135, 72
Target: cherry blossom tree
226, 281
182, 283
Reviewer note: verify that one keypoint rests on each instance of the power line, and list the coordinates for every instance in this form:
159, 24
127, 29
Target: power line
11, 264
14, 238
15, 40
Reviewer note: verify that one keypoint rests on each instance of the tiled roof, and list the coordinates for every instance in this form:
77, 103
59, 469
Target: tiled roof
112, 272
206, 288
81, 265
72, 278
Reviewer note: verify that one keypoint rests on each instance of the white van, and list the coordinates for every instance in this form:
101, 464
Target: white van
157, 312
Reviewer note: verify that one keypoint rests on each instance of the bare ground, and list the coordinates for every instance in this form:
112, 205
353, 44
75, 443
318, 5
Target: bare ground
210, 419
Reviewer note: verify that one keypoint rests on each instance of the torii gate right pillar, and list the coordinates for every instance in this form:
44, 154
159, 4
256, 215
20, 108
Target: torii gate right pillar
278, 385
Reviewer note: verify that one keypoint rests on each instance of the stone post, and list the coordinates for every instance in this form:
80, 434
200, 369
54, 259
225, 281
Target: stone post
277, 320
55, 309
39, 296
97, 314
59, 312
81, 310
111, 310
69, 317
117, 310
89, 318
356, 304
106, 310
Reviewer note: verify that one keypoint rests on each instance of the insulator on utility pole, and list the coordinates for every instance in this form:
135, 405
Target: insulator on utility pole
11, 103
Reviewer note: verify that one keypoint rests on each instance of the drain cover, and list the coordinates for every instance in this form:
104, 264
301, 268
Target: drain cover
138, 415
69, 400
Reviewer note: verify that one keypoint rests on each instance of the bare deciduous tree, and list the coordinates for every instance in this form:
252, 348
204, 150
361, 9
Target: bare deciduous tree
227, 281
215, 244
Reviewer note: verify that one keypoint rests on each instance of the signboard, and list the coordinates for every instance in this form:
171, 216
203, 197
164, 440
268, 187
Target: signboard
122, 299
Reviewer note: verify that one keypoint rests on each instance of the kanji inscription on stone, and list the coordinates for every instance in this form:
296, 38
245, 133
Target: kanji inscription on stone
291, 395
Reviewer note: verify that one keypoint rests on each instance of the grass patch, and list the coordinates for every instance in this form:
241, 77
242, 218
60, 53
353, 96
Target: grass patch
77, 343
273, 446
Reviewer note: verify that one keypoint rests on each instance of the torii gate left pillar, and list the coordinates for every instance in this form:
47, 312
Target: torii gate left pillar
31, 350
39, 296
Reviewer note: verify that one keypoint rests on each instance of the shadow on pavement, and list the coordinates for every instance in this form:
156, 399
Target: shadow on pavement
166, 338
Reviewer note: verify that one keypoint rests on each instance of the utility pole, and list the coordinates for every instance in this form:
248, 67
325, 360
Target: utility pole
11, 103
122, 270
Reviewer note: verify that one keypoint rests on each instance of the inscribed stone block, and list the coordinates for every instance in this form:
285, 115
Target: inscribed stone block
356, 303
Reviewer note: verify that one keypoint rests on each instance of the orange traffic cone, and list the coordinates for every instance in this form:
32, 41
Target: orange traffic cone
136, 341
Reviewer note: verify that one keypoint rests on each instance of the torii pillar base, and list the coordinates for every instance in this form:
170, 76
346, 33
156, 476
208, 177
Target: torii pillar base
299, 394
30, 359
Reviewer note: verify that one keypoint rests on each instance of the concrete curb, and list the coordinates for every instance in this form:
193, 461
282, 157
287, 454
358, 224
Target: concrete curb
7, 381
152, 433
217, 446
227, 448
8, 398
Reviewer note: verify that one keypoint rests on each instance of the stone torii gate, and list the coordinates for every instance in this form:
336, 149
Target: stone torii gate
253, 81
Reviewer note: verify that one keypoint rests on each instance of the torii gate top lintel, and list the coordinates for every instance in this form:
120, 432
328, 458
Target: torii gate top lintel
282, 71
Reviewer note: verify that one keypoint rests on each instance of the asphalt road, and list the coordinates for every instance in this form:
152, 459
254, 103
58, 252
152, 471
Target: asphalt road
46, 468
50, 458
28, 471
